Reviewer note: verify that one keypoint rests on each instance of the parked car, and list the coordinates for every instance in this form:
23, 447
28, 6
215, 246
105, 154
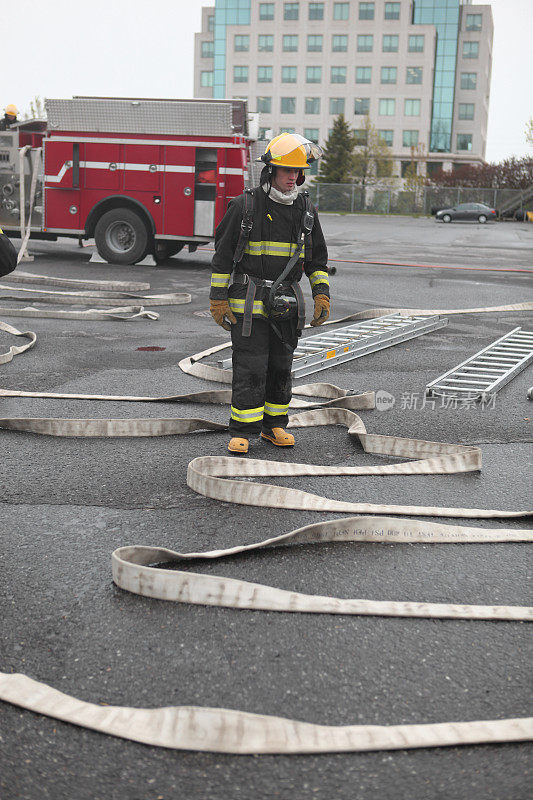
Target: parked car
467, 211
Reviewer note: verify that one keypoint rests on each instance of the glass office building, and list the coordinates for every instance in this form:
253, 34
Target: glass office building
420, 69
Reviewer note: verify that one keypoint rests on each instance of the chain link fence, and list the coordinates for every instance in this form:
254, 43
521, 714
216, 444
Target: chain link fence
347, 198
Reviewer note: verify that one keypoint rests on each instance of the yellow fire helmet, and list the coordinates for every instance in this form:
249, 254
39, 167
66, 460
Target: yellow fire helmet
12, 110
291, 150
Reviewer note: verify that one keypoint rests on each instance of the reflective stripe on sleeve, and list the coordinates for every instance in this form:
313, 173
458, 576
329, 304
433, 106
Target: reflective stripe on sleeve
220, 280
276, 409
247, 414
318, 277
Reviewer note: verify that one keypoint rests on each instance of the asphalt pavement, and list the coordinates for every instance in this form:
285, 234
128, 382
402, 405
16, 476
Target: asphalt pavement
66, 504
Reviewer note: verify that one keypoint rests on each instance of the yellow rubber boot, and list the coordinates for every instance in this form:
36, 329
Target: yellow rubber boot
279, 437
238, 445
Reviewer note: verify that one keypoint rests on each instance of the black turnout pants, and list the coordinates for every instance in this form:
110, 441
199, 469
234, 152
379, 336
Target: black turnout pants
262, 380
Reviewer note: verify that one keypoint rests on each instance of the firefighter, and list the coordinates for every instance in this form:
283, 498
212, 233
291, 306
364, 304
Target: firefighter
264, 316
10, 117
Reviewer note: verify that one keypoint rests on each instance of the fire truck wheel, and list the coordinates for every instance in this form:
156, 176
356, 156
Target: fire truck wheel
164, 250
121, 236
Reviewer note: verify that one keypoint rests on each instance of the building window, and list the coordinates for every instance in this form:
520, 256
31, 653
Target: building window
464, 141
313, 75
264, 105
392, 11
413, 75
316, 10
208, 49
291, 10
388, 74
240, 74
366, 10
338, 75
312, 105
466, 111
288, 74
365, 43
266, 11
433, 167
265, 43
264, 74
312, 134
473, 22
470, 49
410, 139
339, 44
241, 44
360, 137
416, 44
386, 137
341, 10
363, 74
387, 107
211, 23
314, 44
206, 78
288, 105
290, 44
287, 130
468, 80
390, 44
361, 106
336, 105
412, 108
410, 167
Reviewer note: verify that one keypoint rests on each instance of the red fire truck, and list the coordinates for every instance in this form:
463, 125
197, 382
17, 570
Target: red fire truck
140, 176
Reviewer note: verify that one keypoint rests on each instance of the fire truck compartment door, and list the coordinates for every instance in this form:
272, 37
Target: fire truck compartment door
179, 191
62, 194
142, 167
102, 166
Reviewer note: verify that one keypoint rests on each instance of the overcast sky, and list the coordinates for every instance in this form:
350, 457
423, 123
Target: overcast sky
146, 49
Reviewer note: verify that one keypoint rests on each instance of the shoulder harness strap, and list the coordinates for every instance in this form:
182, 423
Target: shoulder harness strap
308, 220
247, 222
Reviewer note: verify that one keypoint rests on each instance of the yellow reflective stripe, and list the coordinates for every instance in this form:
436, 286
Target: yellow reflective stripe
275, 409
1, 231
319, 277
247, 414
270, 248
238, 305
220, 279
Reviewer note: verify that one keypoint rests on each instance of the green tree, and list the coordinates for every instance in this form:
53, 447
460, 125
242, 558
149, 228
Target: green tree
372, 159
336, 165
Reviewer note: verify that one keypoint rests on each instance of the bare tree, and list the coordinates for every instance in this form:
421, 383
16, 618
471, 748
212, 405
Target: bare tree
529, 131
37, 109
372, 159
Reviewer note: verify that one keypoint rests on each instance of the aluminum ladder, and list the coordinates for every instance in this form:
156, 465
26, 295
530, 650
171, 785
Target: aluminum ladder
484, 373
327, 349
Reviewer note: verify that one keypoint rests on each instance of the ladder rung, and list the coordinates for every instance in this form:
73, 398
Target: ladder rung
458, 380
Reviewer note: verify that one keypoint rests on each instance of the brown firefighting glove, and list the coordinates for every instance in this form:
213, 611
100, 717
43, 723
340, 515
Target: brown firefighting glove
221, 312
321, 310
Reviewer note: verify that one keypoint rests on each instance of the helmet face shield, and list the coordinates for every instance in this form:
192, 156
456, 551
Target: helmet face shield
291, 150
285, 144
